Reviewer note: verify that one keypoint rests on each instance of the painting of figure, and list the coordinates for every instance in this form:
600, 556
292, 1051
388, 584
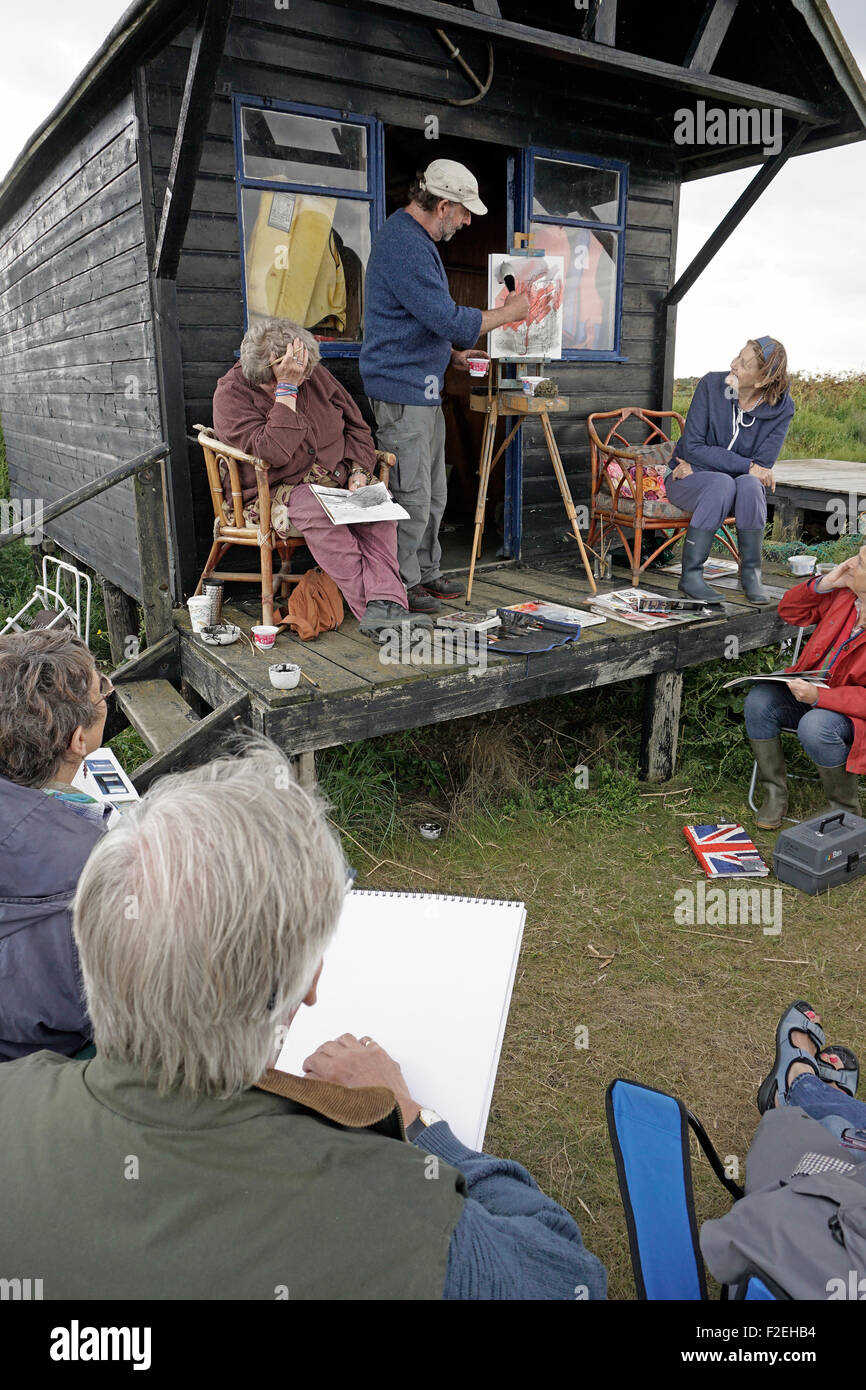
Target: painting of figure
542, 279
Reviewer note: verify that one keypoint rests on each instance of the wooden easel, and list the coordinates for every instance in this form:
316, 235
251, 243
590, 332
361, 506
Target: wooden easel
498, 402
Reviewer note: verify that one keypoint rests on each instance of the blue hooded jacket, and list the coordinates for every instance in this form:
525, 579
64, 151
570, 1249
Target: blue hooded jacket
44, 845
719, 437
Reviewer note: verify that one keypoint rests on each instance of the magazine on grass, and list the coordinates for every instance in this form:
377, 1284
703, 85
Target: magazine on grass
725, 851
372, 503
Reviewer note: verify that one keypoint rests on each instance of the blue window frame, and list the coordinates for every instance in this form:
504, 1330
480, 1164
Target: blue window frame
576, 205
310, 199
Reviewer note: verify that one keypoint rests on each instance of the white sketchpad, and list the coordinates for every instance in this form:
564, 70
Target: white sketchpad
429, 978
372, 503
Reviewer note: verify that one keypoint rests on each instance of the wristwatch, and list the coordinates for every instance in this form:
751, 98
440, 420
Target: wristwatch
424, 1121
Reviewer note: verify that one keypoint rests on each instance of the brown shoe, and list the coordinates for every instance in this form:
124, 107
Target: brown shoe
422, 601
445, 588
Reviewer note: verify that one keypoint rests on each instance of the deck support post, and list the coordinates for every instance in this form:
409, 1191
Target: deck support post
663, 693
304, 765
121, 617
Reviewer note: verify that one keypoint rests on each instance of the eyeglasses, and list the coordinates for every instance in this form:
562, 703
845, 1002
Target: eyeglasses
105, 689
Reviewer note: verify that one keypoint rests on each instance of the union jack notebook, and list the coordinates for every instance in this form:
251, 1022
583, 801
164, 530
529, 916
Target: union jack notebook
725, 851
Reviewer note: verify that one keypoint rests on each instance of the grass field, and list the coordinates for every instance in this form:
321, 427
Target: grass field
688, 1007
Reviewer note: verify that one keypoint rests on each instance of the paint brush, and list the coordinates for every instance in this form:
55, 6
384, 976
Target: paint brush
509, 283
310, 679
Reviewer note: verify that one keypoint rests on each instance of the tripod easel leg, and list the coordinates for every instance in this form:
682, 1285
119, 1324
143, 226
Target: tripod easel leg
558, 469
483, 481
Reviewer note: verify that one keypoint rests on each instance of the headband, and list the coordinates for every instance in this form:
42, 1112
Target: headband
767, 345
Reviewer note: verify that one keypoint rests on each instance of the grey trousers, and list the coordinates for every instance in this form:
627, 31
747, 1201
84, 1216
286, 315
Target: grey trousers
416, 434
710, 497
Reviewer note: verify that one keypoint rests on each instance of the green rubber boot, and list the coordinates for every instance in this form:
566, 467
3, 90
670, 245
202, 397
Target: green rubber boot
696, 548
771, 771
749, 542
840, 788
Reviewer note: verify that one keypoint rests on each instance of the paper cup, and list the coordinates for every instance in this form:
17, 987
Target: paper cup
265, 636
200, 611
478, 366
802, 564
285, 675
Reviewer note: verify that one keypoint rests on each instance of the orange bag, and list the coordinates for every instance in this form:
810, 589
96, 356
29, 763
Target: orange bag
315, 605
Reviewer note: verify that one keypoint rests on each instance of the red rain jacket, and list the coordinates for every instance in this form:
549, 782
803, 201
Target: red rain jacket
846, 692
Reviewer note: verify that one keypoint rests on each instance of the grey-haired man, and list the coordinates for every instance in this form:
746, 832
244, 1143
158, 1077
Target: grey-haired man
413, 329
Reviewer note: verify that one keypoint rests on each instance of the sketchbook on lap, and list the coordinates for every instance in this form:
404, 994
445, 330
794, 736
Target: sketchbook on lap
429, 978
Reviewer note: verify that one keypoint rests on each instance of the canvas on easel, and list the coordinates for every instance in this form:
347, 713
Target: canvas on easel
542, 279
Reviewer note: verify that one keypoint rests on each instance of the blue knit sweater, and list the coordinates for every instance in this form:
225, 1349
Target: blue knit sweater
720, 438
410, 320
511, 1241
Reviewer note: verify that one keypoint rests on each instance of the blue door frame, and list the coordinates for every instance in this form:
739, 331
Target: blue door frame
513, 521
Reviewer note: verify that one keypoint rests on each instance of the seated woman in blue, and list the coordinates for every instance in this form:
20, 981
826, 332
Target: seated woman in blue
733, 434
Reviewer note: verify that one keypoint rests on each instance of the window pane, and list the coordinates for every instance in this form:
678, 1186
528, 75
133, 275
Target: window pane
561, 189
284, 147
590, 283
305, 258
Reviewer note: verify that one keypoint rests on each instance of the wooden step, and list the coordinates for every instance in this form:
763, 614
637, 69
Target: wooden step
157, 712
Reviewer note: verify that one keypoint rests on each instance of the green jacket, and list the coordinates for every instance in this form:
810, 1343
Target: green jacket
112, 1191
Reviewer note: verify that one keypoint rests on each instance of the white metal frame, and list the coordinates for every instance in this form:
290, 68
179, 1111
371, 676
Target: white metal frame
49, 594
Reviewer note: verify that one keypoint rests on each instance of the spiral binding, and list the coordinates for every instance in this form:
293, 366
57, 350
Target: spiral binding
435, 897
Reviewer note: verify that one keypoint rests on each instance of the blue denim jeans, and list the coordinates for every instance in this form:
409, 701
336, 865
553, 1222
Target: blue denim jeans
826, 736
833, 1109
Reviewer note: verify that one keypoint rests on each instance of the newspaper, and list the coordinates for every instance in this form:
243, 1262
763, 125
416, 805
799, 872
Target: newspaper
371, 503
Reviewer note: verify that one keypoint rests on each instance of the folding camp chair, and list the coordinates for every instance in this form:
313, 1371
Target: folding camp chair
649, 1134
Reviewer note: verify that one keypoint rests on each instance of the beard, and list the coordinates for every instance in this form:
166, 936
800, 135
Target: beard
733, 381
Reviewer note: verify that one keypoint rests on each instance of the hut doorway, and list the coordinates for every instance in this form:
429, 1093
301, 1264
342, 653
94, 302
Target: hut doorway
465, 261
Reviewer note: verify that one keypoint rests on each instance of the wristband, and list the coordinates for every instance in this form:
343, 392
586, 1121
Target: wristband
285, 388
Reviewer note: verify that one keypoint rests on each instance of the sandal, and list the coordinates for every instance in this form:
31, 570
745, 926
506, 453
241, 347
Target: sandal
803, 1017
840, 1065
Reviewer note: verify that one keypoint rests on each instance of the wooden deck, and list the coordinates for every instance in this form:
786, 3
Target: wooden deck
358, 697
810, 485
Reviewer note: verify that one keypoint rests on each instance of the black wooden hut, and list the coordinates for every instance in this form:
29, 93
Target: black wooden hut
135, 224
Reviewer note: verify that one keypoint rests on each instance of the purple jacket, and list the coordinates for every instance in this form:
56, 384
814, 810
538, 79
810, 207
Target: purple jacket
43, 848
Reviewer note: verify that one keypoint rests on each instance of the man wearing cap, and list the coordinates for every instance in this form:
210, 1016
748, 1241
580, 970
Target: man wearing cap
412, 331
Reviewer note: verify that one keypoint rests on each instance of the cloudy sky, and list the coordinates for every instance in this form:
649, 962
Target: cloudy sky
794, 268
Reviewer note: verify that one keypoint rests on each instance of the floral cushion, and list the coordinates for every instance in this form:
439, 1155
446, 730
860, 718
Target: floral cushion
654, 460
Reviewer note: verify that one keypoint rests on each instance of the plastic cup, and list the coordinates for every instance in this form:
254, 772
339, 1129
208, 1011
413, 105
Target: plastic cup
478, 366
265, 636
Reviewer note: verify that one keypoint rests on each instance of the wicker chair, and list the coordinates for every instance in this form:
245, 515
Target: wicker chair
618, 501
221, 461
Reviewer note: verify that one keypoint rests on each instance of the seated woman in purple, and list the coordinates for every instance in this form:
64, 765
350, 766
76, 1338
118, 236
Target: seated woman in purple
280, 404
723, 463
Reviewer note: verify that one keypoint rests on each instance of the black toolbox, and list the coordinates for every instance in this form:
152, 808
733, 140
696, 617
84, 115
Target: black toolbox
822, 852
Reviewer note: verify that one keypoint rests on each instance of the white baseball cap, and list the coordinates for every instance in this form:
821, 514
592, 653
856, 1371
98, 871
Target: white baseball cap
446, 179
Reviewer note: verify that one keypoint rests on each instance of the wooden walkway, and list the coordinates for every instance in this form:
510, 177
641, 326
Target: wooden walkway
358, 697
811, 485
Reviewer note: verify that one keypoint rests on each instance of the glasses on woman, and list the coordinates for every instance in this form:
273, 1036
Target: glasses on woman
105, 689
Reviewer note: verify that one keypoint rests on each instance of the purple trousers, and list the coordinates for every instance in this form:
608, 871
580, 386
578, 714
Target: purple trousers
361, 560
710, 497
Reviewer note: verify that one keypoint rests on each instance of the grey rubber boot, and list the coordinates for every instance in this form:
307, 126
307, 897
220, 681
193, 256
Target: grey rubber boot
749, 542
771, 772
382, 616
696, 548
840, 788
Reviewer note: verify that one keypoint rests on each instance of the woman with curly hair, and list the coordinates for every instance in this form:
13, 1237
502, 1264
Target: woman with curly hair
53, 706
